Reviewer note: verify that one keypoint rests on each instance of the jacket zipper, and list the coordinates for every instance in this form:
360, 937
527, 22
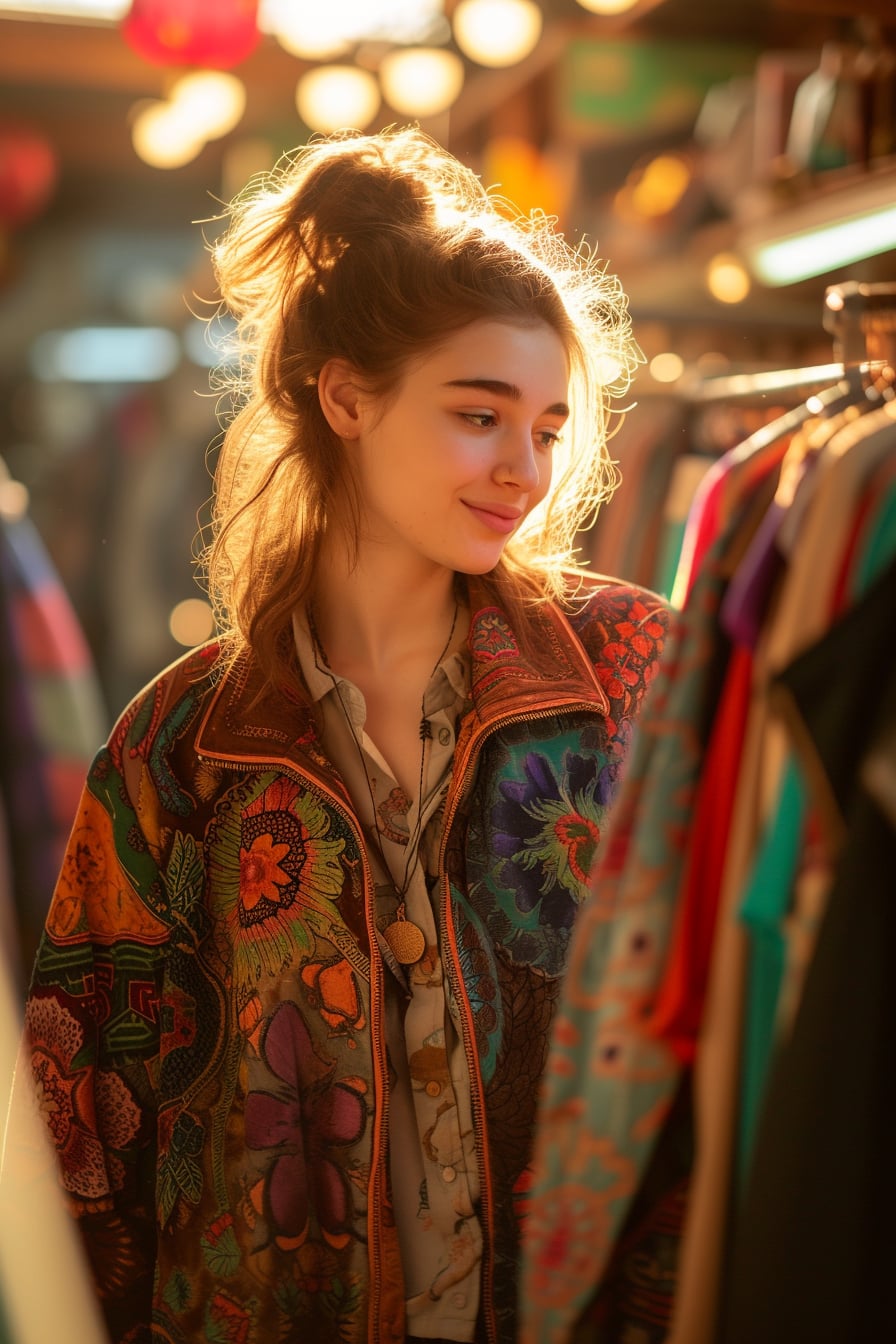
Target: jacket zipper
455, 978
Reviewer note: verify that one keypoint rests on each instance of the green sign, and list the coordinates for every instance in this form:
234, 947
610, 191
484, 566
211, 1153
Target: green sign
617, 86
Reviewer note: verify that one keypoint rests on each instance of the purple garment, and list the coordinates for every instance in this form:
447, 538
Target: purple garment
743, 610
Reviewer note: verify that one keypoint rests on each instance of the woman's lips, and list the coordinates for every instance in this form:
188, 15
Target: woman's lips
502, 521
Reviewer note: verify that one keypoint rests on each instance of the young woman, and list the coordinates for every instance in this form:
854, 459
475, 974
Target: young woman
294, 995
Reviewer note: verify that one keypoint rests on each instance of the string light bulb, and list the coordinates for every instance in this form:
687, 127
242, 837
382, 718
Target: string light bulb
421, 81
310, 32
497, 32
163, 136
213, 100
727, 279
607, 7
337, 97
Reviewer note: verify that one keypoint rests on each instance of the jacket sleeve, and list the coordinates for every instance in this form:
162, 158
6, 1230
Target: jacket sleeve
93, 1033
625, 629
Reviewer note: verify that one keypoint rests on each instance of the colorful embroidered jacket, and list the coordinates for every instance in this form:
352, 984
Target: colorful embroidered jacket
206, 1015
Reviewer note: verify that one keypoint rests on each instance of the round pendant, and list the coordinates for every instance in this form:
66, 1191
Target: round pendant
406, 941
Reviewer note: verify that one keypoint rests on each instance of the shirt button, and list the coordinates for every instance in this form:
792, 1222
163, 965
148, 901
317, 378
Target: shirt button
449, 1175
444, 736
458, 1300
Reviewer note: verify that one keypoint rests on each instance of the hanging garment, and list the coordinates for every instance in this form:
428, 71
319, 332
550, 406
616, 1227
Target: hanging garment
610, 1084
799, 603
814, 1244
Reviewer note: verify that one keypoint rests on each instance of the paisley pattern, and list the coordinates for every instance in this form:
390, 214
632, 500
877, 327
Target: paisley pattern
206, 1019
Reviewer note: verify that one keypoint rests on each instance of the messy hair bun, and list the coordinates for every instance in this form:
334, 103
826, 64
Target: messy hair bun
374, 249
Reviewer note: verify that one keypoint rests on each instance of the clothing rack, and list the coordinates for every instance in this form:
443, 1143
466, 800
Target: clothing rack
860, 317
761, 383
754, 836
862, 320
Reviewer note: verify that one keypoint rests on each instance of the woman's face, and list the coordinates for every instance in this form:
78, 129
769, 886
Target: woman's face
457, 457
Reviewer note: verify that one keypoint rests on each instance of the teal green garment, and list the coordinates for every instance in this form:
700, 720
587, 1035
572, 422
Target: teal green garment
671, 542
763, 909
880, 547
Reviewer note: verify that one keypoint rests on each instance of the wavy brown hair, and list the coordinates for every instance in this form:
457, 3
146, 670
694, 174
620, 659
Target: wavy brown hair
374, 249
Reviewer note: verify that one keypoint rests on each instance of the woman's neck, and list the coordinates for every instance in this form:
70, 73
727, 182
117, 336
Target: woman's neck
375, 622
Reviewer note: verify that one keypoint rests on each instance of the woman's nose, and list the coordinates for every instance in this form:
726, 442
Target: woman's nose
517, 463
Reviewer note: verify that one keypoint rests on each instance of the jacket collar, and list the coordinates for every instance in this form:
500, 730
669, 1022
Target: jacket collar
506, 677
249, 719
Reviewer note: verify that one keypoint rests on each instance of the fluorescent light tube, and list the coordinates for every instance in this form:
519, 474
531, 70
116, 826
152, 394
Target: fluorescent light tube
844, 217
817, 251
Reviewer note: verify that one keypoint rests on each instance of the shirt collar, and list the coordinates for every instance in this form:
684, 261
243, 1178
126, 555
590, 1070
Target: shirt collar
450, 680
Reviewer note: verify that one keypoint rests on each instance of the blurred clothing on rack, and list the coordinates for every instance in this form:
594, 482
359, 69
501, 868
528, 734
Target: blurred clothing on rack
52, 720
752, 845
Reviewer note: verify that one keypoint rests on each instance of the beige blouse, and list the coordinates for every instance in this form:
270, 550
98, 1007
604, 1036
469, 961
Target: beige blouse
435, 1182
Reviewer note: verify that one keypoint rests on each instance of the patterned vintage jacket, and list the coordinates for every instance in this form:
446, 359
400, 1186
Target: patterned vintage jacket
205, 1015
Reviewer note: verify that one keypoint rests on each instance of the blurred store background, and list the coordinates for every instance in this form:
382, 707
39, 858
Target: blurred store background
728, 158
733, 161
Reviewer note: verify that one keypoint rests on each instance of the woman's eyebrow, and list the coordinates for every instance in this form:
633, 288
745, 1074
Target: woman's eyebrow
501, 389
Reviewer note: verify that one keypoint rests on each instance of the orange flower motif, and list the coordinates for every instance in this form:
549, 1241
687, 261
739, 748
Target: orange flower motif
261, 876
275, 874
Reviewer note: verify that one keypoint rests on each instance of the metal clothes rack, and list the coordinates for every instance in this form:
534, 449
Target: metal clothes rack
761, 384
861, 318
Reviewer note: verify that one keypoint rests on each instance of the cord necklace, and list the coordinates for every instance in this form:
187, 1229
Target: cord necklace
403, 936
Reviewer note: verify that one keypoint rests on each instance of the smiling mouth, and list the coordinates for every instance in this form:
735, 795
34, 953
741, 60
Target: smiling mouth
498, 519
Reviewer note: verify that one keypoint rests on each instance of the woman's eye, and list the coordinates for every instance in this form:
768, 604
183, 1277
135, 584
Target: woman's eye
482, 419
548, 438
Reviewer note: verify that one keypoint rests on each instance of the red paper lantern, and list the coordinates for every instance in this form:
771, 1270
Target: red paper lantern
27, 175
214, 34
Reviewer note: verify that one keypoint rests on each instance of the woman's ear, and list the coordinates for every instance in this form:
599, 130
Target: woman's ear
340, 397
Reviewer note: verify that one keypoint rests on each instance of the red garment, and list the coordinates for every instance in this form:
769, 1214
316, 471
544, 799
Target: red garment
679, 1005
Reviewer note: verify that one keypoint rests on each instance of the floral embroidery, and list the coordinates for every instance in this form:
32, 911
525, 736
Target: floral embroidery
299, 1123
547, 829
72, 1108
630, 659
261, 877
274, 871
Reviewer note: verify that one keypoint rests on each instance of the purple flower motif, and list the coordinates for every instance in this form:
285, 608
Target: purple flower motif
302, 1124
547, 830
